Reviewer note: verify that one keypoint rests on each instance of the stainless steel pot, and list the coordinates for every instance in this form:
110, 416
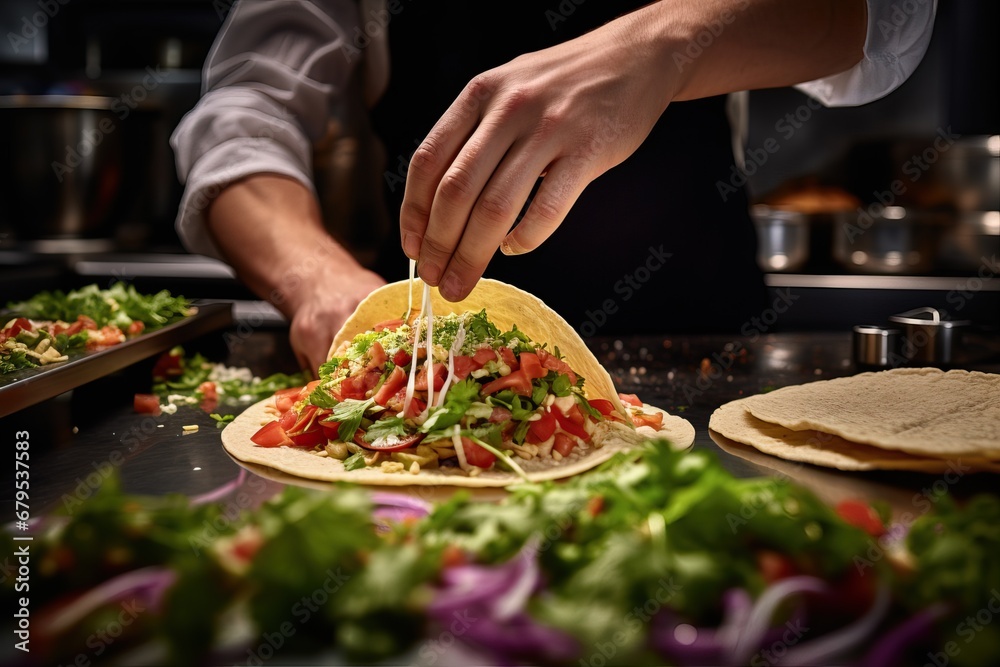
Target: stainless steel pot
66, 174
782, 238
888, 239
929, 339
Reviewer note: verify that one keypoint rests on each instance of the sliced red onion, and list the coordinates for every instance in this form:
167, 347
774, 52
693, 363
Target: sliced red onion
835, 644
736, 608
889, 649
221, 492
700, 648
759, 620
520, 636
147, 586
402, 501
498, 591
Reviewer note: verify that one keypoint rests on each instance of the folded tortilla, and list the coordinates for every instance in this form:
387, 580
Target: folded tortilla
505, 306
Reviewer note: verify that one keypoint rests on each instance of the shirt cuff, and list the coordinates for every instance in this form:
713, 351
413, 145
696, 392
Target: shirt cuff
897, 38
220, 167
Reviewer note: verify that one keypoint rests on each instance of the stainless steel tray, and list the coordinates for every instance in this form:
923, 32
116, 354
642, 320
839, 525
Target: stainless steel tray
34, 385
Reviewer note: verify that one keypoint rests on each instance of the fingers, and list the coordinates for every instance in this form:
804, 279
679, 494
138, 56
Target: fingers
492, 217
430, 162
559, 190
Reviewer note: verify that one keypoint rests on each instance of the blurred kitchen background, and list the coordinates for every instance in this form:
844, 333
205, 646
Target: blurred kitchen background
861, 212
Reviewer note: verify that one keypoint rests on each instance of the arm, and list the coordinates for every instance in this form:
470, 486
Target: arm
244, 154
270, 230
574, 111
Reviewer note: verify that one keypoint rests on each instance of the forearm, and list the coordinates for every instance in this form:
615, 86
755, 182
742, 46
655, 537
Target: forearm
712, 47
270, 231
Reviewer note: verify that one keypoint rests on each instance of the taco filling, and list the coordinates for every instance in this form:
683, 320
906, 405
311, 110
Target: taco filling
446, 391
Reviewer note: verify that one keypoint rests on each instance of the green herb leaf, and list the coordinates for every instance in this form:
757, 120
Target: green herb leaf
383, 428
354, 462
321, 398
349, 412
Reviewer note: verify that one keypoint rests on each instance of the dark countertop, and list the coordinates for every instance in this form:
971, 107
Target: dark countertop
78, 438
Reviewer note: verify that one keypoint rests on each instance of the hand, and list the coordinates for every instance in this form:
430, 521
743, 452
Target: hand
324, 310
567, 113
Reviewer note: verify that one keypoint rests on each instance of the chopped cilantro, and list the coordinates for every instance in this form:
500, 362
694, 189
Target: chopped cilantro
354, 462
349, 412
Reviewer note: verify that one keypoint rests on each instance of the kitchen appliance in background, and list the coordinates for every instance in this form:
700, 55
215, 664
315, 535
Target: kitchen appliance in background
87, 121
74, 170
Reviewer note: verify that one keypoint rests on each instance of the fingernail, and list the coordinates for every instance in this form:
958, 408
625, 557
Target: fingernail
451, 288
429, 273
411, 245
509, 247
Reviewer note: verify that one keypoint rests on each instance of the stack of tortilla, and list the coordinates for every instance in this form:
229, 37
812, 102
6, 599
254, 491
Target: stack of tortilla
919, 419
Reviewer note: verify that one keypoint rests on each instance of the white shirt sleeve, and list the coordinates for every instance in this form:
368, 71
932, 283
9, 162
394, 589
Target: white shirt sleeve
898, 34
269, 82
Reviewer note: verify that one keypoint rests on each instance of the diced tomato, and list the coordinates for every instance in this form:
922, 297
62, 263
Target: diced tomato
288, 419
556, 364
106, 337
542, 429
532, 366
476, 455
654, 420
77, 327
168, 365
507, 356
271, 435
774, 566
859, 513
371, 380
452, 556
401, 358
136, 328
284, 399
440, 372
630, 399
563, 444
396, 380
416, 407
353, 387
87, 323
331, 429
484, 355
310, 438
208, 389
464, 365
602, 405
146, 404
571, 427
390, 325
575, 414
517, 382
20, 324
305, 421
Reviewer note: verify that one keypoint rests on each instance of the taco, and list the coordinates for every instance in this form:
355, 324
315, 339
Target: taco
504, 390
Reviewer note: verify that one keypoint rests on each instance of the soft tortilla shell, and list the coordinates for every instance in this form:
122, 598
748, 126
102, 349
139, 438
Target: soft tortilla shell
922, 411
301, 463
506, 306
736, 423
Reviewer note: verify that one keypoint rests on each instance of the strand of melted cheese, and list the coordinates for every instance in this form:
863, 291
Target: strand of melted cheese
427, 312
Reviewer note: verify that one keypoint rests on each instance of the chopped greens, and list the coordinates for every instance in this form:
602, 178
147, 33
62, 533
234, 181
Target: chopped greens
619, 558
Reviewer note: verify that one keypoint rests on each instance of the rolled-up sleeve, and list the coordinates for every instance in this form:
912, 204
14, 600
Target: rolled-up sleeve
898, 34
270, 80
